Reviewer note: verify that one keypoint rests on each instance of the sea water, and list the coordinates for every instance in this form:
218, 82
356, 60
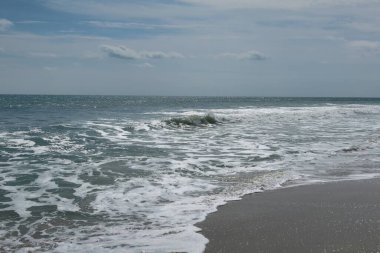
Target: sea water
135, 174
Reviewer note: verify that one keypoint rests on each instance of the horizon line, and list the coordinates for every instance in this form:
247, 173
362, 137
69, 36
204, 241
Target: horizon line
157, 95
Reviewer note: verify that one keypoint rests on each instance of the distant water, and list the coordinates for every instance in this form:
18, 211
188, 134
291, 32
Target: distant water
134, 174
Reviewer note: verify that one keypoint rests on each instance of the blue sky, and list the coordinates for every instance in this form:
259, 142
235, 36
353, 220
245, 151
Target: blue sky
190, 47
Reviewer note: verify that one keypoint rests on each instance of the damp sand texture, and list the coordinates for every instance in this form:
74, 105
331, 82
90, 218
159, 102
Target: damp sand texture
331, 217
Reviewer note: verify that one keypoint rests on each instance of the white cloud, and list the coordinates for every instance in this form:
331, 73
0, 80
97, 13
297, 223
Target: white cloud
120, 25
249, 55
366, 27
134, 25
145, 65
159, 55
5, 24
365, 48
30, 22
365, 45
124, 52
43, 55
121, 52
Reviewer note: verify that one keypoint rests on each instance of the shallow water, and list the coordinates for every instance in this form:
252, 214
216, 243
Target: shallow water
117, 174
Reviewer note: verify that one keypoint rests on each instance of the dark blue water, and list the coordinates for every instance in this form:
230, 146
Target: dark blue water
119, 173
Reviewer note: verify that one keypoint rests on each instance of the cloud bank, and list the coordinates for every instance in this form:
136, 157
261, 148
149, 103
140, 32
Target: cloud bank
123, 52
5, 24
249, 55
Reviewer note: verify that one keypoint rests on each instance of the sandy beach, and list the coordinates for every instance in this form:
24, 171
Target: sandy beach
329, 217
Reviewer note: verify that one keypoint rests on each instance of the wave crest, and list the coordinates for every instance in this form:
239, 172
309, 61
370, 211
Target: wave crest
193, 120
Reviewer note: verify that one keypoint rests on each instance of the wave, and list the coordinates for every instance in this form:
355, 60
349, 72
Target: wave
193, 120
352, 149
271, 157
189, 120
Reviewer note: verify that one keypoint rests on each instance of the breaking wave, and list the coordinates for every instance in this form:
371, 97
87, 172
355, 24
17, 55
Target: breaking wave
193, 120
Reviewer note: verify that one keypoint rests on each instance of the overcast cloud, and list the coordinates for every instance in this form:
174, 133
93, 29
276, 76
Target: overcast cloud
191, 47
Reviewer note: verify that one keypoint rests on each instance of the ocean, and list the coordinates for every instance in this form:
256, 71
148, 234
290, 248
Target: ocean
135, 174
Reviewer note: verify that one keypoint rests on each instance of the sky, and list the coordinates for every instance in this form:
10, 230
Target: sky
191, 47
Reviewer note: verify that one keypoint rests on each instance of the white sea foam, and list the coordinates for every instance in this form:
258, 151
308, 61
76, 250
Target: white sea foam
147, 183
21, 142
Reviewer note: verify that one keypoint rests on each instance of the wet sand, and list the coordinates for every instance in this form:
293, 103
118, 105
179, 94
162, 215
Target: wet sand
330, 217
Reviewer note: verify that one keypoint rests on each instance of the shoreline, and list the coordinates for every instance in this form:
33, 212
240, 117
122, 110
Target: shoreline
339, 216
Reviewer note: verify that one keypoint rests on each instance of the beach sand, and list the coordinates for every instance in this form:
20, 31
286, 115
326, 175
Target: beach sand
329, 217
